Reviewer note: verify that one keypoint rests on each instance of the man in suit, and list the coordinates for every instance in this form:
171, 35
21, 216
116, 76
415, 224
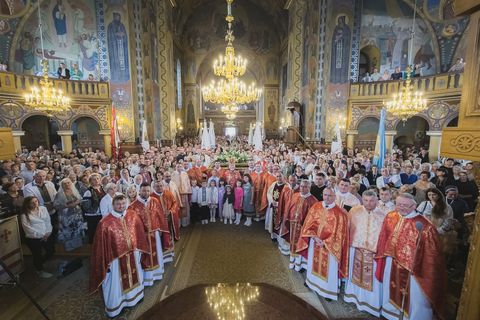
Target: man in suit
63, 72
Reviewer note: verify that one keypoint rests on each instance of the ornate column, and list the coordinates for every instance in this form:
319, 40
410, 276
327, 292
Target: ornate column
295, 45
107, 141
66, 136
17, 140
351, 138
463, 142
435, 141
389, 136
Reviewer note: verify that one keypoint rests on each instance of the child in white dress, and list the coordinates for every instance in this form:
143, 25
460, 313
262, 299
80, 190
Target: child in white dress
212, 199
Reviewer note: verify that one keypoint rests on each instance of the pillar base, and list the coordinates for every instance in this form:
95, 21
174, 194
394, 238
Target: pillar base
434, 146
107, 141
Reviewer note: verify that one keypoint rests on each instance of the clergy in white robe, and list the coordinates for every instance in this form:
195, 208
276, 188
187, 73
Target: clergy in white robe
115, 262
344, 198
362, 288
182, 181
325, 235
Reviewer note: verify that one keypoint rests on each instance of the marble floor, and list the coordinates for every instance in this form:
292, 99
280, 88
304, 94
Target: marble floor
206, 254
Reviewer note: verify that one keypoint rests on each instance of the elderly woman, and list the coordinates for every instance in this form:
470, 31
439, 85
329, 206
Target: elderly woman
421, 186
106, 204
131, 194
124, 182
71, 225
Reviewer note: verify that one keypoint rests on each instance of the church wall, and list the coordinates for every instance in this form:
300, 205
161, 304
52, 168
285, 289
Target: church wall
311, 29
338, 41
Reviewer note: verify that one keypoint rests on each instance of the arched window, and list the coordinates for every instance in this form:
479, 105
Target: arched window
179, 84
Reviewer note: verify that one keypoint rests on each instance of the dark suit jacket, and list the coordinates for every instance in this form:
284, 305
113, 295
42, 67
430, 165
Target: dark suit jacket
67, 73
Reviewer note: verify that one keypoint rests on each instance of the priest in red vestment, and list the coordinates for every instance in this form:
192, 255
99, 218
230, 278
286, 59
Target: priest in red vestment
150, 211
115, 262
170, 209
325, 235
290, 189
231, 175
411, 265
292, 226
258, 179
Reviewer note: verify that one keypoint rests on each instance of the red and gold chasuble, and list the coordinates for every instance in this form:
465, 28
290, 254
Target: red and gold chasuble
283, 208
297, 213
231, 177
364, 231
153, 219
170, 211
258, 179
330, 226
195, 173
423, 259
117, 238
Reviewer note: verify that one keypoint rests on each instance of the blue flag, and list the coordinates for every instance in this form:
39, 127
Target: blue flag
380, 145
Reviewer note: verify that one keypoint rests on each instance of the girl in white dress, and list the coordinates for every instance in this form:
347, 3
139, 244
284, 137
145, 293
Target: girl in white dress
227, 203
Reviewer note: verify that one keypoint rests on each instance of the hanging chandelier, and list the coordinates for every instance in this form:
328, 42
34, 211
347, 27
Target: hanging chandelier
409, 101
47, 98
229, 66
231, 92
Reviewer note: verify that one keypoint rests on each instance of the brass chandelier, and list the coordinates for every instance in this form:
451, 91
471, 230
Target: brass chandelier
229, 66
409, 101
230, 91
47, 98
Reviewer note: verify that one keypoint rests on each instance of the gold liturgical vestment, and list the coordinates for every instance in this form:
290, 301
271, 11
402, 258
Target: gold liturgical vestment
365, 228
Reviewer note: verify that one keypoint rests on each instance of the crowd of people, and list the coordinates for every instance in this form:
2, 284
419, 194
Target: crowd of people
413, 71
338, 217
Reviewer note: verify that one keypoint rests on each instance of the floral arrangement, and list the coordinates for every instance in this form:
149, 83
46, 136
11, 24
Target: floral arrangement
233, 156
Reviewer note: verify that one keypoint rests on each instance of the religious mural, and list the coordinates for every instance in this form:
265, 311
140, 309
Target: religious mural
386, 25
69, 36
117, 22
339, 39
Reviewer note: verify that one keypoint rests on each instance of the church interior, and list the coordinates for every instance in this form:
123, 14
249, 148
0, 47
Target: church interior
240, 127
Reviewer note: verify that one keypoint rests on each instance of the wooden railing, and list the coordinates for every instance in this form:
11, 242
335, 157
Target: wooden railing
12, 84
439, 85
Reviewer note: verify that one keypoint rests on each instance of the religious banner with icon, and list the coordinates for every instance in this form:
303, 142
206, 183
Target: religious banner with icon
10, 247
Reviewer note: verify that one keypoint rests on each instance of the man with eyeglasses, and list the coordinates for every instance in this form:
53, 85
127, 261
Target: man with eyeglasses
410, 263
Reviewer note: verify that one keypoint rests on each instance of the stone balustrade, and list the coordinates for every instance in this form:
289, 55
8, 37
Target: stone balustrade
15, 85
435, 85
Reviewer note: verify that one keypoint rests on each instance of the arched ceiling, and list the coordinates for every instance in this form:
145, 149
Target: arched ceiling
273, 9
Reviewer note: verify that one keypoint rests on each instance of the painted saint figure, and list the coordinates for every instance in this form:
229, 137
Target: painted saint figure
118, 49
340, 59
60, 23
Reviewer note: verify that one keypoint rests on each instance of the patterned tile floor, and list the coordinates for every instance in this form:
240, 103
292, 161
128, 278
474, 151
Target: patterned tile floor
206, 254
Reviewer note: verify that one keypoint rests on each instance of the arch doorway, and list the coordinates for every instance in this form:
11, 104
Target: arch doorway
411, 133
367, 133
86, 134
40, 131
